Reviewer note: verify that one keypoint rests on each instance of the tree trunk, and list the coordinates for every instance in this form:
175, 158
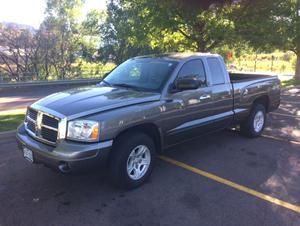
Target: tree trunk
201, 46
297, 73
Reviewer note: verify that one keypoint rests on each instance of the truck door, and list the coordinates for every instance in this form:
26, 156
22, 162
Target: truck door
222, 93
189, 111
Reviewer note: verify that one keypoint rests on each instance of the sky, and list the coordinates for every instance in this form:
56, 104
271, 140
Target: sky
31, 12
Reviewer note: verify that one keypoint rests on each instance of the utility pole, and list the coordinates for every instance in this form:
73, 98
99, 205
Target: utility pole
272, 62
255, 62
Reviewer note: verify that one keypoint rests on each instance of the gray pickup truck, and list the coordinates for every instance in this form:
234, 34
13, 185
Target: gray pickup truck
142, 107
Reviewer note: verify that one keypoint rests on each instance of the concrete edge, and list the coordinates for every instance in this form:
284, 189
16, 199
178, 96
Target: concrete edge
49, 83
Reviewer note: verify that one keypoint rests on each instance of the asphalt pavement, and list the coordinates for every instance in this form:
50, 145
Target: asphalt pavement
267, 168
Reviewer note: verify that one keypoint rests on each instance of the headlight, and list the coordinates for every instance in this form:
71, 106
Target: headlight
83, 130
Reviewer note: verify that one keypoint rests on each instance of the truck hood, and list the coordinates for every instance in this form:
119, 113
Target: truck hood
84, 101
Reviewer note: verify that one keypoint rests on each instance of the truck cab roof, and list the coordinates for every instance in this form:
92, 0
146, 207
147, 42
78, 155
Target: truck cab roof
178, 56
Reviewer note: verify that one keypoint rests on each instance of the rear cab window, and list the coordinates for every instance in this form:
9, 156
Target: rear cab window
216, 71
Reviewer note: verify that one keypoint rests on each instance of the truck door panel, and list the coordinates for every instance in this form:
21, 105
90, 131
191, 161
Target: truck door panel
189, 119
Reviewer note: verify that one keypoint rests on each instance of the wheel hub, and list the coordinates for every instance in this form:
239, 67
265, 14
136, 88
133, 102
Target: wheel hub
138, 162
258, 122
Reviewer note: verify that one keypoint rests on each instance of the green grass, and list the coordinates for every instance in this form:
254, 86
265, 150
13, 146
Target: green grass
291, 82
10, 121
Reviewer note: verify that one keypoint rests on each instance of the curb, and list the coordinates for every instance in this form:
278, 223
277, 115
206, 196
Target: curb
49, 83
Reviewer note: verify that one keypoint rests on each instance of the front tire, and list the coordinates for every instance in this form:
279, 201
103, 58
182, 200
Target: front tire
254, 125
132, 160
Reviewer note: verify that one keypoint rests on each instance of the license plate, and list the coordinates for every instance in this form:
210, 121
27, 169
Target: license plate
28, 154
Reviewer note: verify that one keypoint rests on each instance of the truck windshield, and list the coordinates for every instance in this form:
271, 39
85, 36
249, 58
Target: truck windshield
145, 74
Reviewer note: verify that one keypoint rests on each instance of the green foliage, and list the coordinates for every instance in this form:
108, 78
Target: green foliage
142, 26
92, 22
61, 27
291, 82
270, 24
91, 69
90, 38
121, 38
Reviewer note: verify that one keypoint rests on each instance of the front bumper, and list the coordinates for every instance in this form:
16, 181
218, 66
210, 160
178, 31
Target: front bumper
74, 155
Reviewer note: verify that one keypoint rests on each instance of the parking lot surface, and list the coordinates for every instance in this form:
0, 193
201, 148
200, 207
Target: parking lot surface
269, 165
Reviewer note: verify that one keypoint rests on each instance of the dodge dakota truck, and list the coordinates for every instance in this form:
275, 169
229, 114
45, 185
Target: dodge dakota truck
139, 109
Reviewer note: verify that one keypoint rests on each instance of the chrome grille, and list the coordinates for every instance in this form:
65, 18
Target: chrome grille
49, 134
32, 114
31, 126
50, 121
42, 126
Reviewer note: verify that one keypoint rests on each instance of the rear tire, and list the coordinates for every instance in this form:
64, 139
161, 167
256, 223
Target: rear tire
254, 125
132, 160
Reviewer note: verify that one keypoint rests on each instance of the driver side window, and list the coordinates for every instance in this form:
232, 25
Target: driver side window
193, 68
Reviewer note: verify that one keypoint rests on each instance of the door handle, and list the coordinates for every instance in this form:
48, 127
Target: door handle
204, 97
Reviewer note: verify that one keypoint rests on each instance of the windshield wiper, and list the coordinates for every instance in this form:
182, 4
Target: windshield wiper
128, 86
106, 82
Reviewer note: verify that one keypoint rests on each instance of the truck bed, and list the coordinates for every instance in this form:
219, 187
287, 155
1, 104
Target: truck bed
247, 87
241, 77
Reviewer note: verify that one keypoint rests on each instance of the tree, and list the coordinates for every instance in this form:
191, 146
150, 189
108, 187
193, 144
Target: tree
90, 30
119, 34
202, 25
151, 26
17, 51
52, 51
62, 25
270, 24
47, 57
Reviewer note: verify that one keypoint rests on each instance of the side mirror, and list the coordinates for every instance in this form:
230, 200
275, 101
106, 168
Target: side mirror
187, 83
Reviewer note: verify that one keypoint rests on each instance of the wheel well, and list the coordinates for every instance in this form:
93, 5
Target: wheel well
148, 128
263, 100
